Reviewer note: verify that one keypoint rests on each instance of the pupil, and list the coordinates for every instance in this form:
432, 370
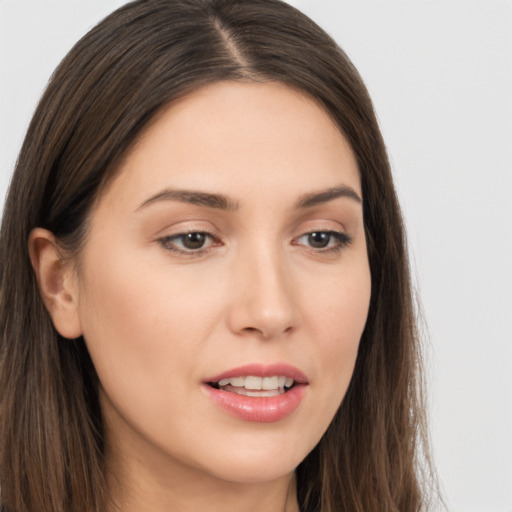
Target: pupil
319, 240
194, 240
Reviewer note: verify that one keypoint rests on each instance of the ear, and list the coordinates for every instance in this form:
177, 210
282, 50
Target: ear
57, 282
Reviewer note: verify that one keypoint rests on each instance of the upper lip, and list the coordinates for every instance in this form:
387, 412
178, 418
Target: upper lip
262, 370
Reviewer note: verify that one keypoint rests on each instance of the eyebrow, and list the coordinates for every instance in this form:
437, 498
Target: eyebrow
222, 202
217, 201
324, 196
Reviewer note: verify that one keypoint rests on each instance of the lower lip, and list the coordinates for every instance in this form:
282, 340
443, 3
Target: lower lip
258, 409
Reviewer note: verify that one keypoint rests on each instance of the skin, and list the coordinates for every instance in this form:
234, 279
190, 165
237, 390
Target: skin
158, 319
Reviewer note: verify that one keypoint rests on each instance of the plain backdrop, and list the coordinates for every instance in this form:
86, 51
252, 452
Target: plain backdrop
440, 74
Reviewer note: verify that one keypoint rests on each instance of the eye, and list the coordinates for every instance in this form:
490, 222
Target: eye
324, 241
192, 243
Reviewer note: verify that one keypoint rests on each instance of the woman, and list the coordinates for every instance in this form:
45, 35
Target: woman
205, 292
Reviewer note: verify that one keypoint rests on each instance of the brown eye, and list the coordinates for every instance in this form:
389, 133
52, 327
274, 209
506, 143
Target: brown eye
324, 241
193, 242
319, 240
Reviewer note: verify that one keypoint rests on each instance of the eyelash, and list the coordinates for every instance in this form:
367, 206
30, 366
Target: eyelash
342, 240
169, 242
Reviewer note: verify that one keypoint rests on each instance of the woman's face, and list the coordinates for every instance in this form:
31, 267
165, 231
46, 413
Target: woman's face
228, 255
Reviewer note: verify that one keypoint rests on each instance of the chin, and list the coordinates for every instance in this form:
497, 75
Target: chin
245, 472
257, 463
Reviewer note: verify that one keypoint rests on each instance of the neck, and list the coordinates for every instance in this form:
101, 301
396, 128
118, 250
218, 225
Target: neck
136, 485
199, 495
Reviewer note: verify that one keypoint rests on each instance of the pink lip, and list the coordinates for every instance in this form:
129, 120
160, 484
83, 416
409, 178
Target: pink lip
259, 409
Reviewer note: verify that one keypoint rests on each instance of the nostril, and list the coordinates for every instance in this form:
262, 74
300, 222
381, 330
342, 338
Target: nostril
267, 333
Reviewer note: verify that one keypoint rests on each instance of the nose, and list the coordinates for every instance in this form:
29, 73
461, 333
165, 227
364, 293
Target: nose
264, 304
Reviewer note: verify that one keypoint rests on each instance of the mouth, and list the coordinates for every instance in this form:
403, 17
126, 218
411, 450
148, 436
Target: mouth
255, 386
258, 393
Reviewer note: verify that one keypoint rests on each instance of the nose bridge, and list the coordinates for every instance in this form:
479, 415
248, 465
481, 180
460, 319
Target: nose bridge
265, 300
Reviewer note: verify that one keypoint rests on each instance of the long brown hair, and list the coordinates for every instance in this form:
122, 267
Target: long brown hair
112, 83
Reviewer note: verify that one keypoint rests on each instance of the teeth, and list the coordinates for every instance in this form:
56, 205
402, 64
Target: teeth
270, 383
253, 383
237, 381
257, 393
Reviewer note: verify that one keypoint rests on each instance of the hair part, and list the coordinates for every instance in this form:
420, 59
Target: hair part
140, 59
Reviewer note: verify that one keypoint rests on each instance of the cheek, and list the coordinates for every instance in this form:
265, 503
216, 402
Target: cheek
139, 323
146, 332
338, 317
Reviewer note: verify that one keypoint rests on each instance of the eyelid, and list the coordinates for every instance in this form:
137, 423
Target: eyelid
172, 237
167, 244
343, 240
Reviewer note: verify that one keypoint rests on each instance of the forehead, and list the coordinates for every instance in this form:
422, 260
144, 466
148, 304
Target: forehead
235, 135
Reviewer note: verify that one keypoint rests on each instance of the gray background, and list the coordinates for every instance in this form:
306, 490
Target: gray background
440, 74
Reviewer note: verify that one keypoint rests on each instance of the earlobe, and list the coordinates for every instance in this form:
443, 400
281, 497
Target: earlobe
57, 282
